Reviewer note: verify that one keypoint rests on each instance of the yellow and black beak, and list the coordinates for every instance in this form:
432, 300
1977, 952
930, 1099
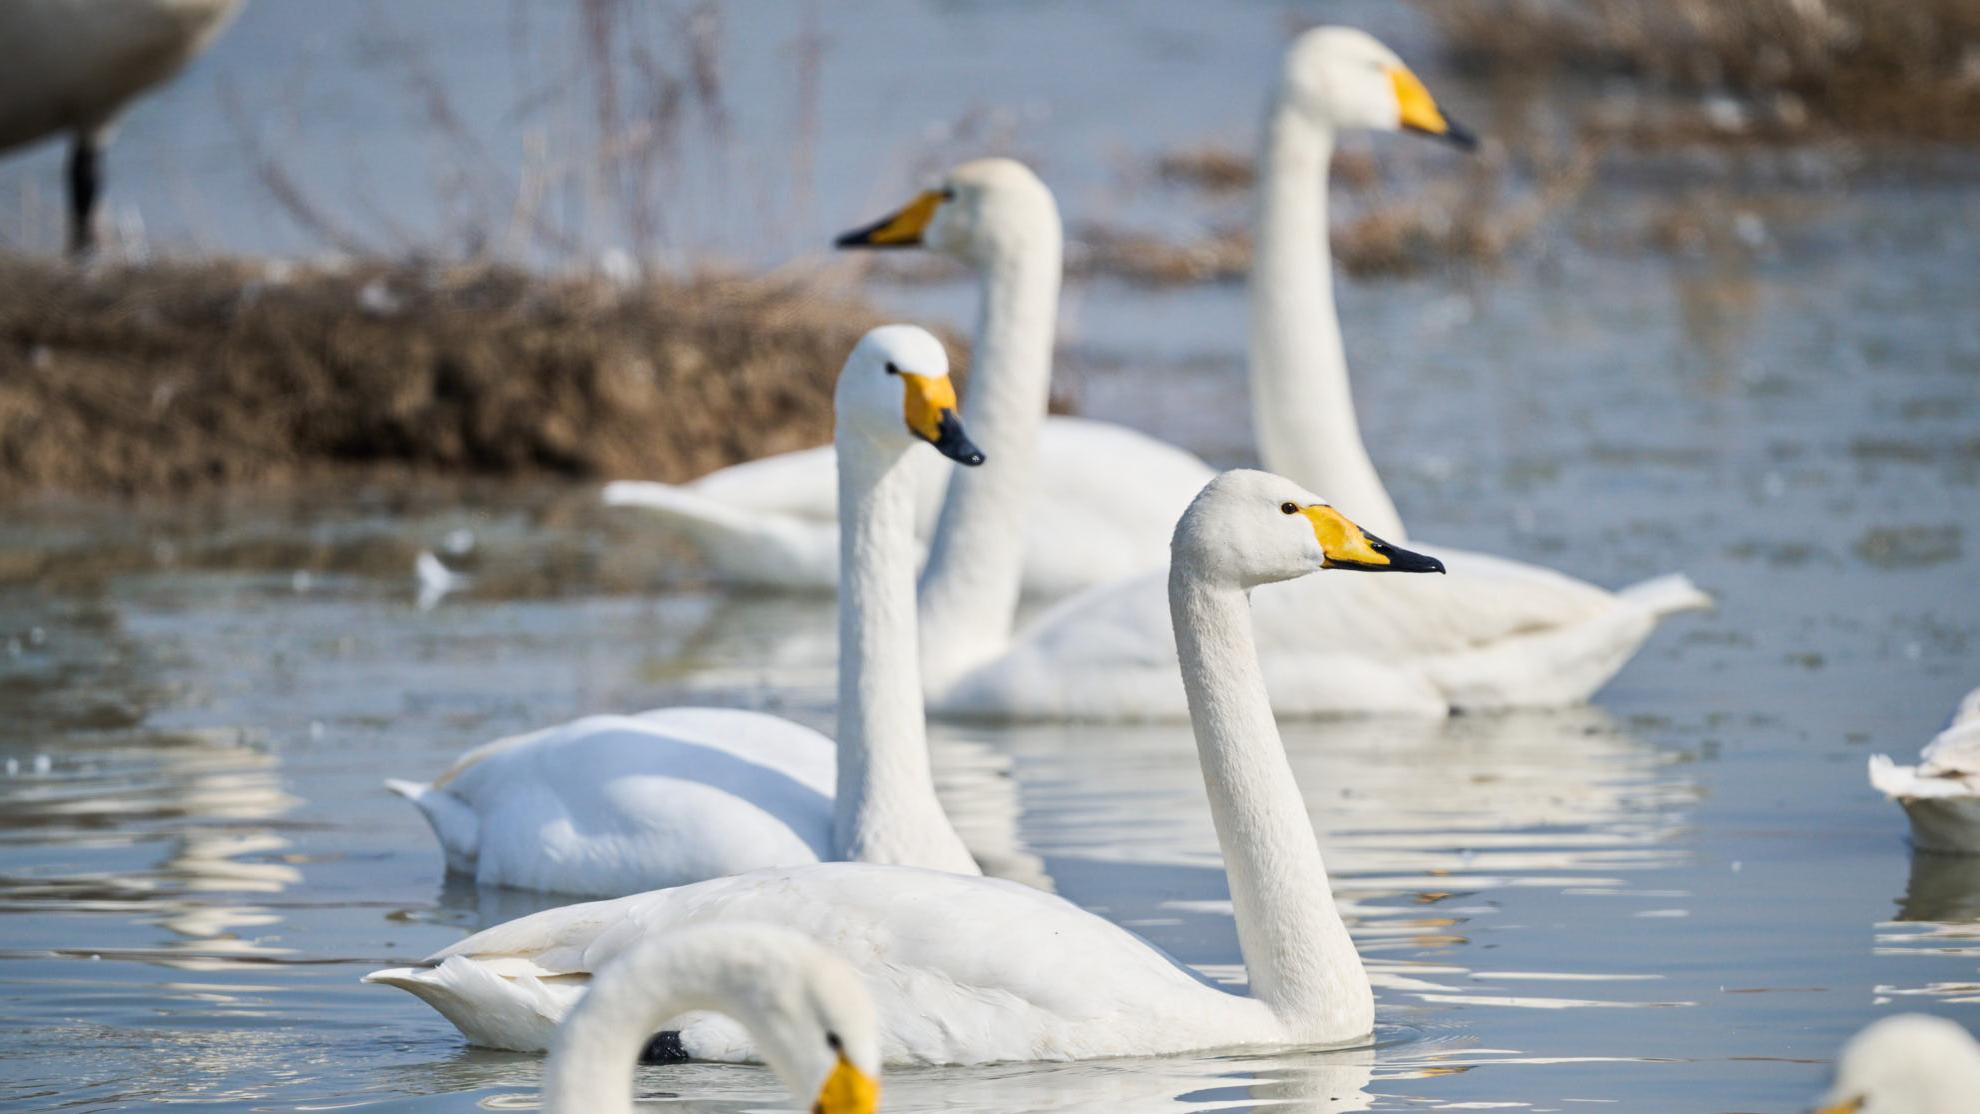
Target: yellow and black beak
899, 229
1348, 546
1421, 114
929, 405
847, 1090
1850, 1107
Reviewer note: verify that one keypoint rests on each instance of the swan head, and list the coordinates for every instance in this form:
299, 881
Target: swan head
1905, 1064
1343, 77
821, 1036
895, 390
981, 210
1248, 528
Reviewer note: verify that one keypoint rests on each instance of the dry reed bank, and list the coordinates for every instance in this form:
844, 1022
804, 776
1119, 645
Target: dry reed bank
176, 376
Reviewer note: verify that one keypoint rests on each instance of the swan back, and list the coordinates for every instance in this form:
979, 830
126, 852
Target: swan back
1906, 1064
808, 1013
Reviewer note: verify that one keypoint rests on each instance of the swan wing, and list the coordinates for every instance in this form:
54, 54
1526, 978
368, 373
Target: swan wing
963, 969
620, 804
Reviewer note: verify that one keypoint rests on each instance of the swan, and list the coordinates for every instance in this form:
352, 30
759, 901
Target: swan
1494, 634
801, 1005
610, 805
1908, 1063
971, 969
1941, 793
1113, 492
74, 65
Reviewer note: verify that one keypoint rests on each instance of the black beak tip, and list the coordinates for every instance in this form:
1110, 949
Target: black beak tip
853, 239
1459, 136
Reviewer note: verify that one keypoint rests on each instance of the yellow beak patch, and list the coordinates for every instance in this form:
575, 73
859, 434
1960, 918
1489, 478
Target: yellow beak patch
907, 225
927, 398
1340, 539
847, 1090
1419, 109
1850, 1107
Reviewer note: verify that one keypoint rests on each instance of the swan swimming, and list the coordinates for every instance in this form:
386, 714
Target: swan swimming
74, 66
970, 969
1908, 1063
1494, 634
1941, 793
610, 805
801, 1005
1113, 492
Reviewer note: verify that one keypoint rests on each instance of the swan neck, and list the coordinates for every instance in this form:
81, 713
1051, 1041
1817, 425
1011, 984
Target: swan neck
1297, 952
885, 810
597, 1047
1302, 402
975, 574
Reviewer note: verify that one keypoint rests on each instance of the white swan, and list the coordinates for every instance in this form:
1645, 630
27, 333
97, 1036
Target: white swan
1110, 494
969, 970
73, 65
1941, 793
1909, 1063
612, 805
1494, 634
801, 1005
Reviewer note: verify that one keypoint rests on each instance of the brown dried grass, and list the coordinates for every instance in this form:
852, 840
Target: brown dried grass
170, 377
1800, 67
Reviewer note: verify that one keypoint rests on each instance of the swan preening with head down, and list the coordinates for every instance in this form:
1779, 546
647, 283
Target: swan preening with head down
1941, 794
611, 805
805, 1011
966, 969
1494, 634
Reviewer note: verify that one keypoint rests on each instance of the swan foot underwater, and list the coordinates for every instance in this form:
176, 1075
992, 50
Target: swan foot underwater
966, 969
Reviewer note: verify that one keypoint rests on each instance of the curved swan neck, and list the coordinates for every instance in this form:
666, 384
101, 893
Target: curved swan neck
597, 1047
1302, 403
1301, 962
969, 593
886, 810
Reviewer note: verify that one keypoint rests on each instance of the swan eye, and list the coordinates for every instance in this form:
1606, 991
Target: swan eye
1288, 508
892, 369
833, 1042
948, 193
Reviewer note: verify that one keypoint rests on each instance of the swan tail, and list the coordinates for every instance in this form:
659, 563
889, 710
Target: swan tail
519, 1014
1667, 595
749, 547
452, 820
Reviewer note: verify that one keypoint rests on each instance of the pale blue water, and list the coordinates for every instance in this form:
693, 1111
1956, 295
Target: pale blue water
1682, 900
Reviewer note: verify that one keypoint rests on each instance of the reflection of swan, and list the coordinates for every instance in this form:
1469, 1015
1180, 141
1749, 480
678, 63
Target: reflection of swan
618, 804
799, 1004
1494, 634
1111, 494
972, 969
73, 65
1942, 793
1908, 1063
1942, 888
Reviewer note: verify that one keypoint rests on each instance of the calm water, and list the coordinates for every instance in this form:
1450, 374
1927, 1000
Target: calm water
1681, 900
